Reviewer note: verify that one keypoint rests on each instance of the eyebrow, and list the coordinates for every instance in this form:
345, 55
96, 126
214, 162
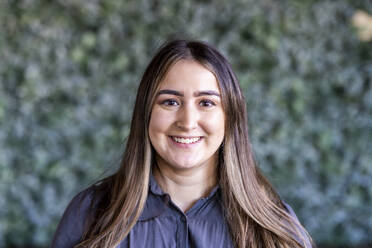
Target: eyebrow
196, 94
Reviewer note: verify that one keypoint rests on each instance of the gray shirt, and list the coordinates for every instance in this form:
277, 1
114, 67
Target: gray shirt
161, 224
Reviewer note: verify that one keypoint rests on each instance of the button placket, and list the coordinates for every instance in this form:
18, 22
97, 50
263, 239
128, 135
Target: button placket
182, 232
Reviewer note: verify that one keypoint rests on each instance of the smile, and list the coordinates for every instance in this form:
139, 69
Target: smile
182, 140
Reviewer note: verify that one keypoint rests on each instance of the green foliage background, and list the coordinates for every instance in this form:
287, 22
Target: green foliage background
69, 71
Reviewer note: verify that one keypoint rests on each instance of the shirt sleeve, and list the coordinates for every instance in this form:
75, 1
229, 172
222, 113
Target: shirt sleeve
304, 236
71, 227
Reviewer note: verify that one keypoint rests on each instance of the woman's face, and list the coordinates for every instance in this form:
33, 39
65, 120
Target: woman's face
187, 120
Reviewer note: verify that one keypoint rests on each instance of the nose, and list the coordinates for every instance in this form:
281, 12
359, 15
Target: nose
187, 118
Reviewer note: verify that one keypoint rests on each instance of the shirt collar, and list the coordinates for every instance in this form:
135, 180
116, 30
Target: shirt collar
154, 187
157, 201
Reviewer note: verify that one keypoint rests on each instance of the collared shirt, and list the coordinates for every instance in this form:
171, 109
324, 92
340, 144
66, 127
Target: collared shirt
161, 224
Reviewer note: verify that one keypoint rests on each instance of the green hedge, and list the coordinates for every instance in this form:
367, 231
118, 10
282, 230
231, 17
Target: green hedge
69, 71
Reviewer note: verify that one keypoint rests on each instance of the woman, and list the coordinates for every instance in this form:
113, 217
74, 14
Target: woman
188, 177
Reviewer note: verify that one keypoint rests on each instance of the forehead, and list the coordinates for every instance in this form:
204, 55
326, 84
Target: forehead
189, 75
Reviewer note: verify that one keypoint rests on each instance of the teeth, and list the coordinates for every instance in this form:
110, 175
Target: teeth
186, 141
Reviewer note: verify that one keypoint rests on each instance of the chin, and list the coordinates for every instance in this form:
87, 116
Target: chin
185, 166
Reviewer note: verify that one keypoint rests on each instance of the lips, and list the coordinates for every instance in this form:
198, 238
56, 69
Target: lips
186, 140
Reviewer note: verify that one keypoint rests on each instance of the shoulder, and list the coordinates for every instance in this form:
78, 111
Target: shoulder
303, 232
71, 226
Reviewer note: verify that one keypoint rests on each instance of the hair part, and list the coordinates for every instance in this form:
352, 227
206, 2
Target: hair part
253, 210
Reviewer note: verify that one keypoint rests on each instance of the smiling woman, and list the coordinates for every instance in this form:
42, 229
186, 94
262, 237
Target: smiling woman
186, 129
188, 177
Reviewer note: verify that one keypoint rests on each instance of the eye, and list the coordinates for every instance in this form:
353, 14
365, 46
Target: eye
169, 102
207, 103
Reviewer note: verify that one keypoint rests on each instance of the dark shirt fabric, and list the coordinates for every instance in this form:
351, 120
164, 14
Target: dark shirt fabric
161, 224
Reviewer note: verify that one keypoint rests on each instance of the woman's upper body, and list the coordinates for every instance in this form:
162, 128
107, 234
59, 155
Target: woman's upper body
161, 224
188, 139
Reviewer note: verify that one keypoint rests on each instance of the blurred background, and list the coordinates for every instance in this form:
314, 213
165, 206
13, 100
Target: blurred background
69, 71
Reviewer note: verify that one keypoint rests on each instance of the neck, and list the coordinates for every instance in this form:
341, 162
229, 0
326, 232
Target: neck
186, 186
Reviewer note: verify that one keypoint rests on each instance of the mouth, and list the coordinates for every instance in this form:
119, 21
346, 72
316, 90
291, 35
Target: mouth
186, 140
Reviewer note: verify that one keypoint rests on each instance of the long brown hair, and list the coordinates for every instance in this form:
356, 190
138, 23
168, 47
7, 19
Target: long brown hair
253, 210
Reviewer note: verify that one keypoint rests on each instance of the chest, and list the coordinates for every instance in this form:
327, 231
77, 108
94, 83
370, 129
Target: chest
178, 231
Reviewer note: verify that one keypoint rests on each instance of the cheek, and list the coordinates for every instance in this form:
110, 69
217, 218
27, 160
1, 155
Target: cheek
215, 124
158, 122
